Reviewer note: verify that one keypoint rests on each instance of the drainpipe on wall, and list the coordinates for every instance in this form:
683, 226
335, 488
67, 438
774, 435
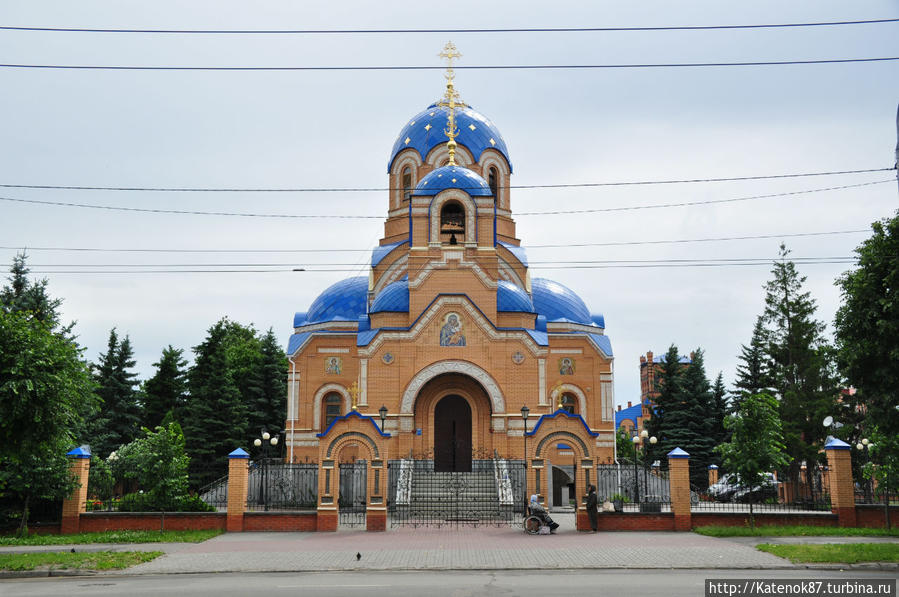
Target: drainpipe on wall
291, 406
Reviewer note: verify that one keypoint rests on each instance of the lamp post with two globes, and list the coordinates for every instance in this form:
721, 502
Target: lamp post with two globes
264, 442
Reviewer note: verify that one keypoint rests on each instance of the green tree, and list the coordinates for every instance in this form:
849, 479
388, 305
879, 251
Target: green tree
43, 387
273, 405
719, 413
800, 363
215, 420
756, 446
158, 464
666, 417
867, 333
243, 354
696, 419
27, 296
166, 391
117, 421
752, 373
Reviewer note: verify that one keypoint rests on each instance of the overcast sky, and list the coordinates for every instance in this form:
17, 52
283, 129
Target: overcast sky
336, 129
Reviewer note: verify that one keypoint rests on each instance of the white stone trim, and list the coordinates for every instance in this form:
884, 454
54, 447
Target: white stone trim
394, 272
566, 351
468, 205
320, 395
333, 350
509, 274
488, 159
452, 366
428, 267
363, 377
440, 153
565, 326
541, 382
607, 392
571, 389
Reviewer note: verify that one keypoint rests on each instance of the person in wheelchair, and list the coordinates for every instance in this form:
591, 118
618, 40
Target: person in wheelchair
535, 509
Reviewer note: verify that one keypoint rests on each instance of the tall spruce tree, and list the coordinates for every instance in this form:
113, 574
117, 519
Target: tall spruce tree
752, 371
166, 391
666, 418
801, 363
215, 419
696, 433
117, 421
273, 405
244, 360
720, 409
25, 295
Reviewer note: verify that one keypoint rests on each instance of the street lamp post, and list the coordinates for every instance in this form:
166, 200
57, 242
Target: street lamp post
525, 411
383, 412
636, 440
863, 446
264, 442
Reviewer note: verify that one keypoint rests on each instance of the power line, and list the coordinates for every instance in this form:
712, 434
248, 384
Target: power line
766, 262
382, 189
473, 67
529, 247
365, 217
460, 30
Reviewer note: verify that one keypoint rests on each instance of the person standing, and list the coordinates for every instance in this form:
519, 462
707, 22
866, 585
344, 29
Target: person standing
591, 507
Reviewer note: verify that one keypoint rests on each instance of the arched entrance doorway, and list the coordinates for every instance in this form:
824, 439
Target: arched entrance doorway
452, 435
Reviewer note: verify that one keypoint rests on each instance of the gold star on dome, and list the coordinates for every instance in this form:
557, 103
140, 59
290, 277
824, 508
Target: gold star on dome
492, 142
408, 139
454, 180
432, 113
428, 126
412, 123
472, 127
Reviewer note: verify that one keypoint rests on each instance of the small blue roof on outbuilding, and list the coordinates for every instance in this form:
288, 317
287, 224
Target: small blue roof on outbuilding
628, 414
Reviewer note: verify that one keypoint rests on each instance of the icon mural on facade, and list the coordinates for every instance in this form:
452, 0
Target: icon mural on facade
333, 366
451, 332
566, 366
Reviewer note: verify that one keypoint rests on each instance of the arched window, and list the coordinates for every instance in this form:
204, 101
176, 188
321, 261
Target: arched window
332, 403
492, 178
407, 183
452, 220
569, 403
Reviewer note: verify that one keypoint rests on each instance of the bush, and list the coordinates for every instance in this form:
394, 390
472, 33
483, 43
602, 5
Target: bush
193, 503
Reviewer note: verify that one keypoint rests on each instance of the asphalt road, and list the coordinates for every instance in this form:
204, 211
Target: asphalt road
642, 583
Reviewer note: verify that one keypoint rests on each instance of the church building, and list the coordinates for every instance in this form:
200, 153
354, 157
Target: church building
449, 350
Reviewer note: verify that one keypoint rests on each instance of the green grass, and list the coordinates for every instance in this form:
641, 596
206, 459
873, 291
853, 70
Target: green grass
794, 531
845, 553
101, 560
114, 537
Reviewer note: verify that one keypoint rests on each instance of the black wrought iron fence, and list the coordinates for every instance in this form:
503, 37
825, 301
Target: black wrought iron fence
276, 485
353, 498
729, 494
633, 489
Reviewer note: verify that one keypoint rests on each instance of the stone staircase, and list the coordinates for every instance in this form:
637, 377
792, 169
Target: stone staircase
454, 497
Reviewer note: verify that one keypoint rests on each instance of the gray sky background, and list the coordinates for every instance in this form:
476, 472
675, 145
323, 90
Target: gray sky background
336, 129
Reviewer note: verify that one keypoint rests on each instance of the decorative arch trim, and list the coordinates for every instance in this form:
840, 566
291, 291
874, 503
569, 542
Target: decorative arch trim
558, 435
468, 204
567, 388
355, 435
497, 401
320, 395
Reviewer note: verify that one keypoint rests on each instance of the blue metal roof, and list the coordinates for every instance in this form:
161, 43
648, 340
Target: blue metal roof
354, 414
628, 414
558, 302
598, 320
519, 252
394, 298
452, 177
296, 341
603, 342
426, 130
344, 301
379, 253
561, 413
511, 298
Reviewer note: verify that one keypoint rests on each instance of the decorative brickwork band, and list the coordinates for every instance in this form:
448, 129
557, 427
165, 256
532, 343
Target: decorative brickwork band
679, 479
842, 492
75, 504
238, 471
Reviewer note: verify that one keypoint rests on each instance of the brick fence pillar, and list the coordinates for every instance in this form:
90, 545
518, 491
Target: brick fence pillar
238, 467
842, 491
74, 505
679, 481
713, 474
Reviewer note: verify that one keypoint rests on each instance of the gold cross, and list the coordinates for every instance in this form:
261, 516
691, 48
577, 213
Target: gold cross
449, 52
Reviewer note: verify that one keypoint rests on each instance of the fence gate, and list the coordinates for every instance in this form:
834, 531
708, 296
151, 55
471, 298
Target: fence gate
491, 494
353, 495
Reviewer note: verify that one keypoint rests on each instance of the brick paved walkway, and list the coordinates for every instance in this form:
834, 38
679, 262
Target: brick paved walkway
465, 549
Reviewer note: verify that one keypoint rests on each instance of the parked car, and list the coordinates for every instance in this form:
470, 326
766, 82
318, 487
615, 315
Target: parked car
758, 493
724, 489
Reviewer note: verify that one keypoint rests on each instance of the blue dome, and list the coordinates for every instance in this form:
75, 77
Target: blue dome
559, 303
343, 301
511, 298
425, 131
394, 297
452, 177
